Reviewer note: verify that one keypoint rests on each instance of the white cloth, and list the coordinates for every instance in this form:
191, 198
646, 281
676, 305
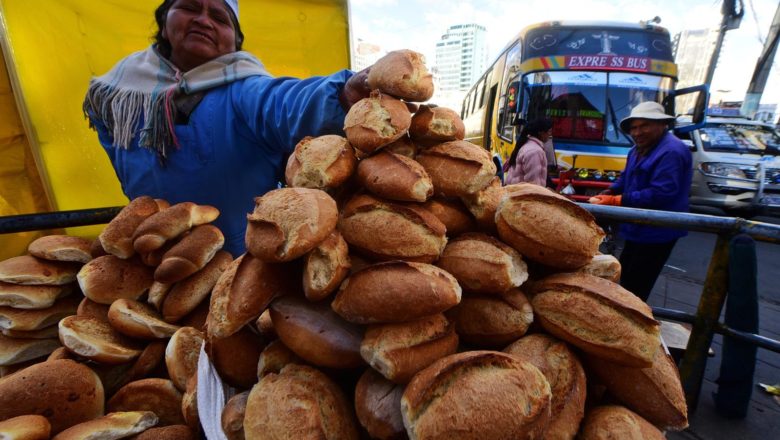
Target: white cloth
212, 395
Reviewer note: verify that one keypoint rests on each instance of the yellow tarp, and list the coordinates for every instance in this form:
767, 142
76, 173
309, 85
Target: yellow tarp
54, 47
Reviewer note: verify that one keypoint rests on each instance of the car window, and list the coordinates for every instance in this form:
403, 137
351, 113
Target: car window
741, 138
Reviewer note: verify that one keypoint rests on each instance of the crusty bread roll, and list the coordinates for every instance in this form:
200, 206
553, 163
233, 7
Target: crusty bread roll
478, 395
155, 257
29, 320
457, 168
453, 214
59, 354
157, 395
106, 279
14, 351
90, 308
483, 264
598, 317
30, 270
138, 320
117, 237
145, 364
233, 416
376, 121
392, 230
396, 291
566, 377
66, 393
289, 222
484, 203
235, 357
320, 162
96, 340
96, 248
197, 318
325, 267
190, 255
615, 422
61, 248
186, 295
434, 125
265, 326
157, 293
547, 227
44, 333
402, 73
490, 321
189, 404
30, 427
655, 393
603, 266
316, 333
20, 296
169, 223
300, 402
172, 432
398, 351
181, 355
378, 406
395, 177
112, 426
403, 146
274, 357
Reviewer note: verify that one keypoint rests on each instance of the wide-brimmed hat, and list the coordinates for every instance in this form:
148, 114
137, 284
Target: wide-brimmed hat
646, 110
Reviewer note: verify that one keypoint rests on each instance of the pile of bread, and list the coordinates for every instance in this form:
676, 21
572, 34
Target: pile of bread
394, 289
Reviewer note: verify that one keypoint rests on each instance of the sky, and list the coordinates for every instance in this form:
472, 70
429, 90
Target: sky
418, 25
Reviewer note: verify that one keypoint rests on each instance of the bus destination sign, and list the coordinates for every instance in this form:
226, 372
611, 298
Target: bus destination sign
608, 62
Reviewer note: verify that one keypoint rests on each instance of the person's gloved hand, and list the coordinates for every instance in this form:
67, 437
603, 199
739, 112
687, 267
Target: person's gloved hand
606, 200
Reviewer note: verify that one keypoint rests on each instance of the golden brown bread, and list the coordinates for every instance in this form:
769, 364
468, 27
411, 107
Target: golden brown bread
117, 237
566, 377
181, 355
392, 230
299, 402
395, 177
402, 73
615, 422
172, 432
320, 162
325, 267
29, 427
396, 291
190, 254
547, 227
457, 168
14, 351
274, 357
138, 320
603, 266
157, 395
477, 395
434, 125
316, 333
484, 203
398, 351
112, 426
403, 146
61, 248
146, 363
96, 340
20, 296
489, 321
170, 223
44, 333
289, 222
264, 325
453, 214
30, 270
598, 317
90, 308
154, 258
70, 393
186, 295
106, 279
233, 416
483, 264
376, 121
96, 248
189, 404
29, 320
378, 406
60, 353
235, 357
157, 293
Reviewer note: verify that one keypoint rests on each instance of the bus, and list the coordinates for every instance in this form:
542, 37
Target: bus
585, 77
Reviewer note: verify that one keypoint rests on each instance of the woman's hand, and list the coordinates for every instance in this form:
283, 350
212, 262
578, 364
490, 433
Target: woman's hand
357, 88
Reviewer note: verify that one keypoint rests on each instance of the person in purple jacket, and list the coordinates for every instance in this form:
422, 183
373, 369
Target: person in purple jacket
657, 176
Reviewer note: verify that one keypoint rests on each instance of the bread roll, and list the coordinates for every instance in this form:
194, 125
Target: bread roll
138, 320
29, 320
169, 223
186, 295
96, 340
67, 393
19, 296
484, 203
457, 168
402, 73
325, 267
320, 162
316, 333
389, 231
477, 395
106, 279
190, 255
61, 248
44, 333
603, 266
189, 404
547, 227
29, 270
403, 146
483, 264
453, 214
300, 402
233, 416
395, 177
376, 121
157, 293
25, 428
155, 257
488, 321
116, 425
14, 351
399, 351
181, 355
264, 325
91, 309
117, 237
598, 317
274, 357
173, 432
59, 354
289, 222
378, 406
566, 377
146, 363
396, 291
434, 125
157, 395
235, 357
655, 393
197, 319
616, 422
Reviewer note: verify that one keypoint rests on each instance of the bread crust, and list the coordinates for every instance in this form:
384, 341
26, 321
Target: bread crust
19, 296
603, 266
235, 357
29, 270
61, 248
172, 432
117, 237
320, 162
37, 319
157, 395
402, 73
14, 351
376, 121
155, 231
106, 279
395, 177
378, 406
325, 267
453, 214
457, 168
434, 125
186, 295
138, 320
190, 254
29, 427
484, 203
96, 340
274, 357
181, 355
233, 416
482, 264
111, 426
490, 321
612, 422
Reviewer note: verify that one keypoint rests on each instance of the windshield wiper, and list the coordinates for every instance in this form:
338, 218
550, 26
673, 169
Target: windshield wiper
614, 121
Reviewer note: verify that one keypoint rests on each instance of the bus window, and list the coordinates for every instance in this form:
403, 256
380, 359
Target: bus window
509, 93
625, 92
467, 105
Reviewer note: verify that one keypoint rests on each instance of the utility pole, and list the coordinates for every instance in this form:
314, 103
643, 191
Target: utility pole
732, 17
763, 67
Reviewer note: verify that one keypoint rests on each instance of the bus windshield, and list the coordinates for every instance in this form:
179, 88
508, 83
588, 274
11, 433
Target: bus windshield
588, 106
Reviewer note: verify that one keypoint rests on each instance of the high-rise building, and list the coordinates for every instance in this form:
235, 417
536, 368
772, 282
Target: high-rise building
692, 52
365, 54
461, 57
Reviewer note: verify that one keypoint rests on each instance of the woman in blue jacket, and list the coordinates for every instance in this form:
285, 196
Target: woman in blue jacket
194, 118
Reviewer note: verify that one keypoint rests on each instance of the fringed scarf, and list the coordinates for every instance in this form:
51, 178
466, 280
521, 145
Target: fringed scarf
146, 86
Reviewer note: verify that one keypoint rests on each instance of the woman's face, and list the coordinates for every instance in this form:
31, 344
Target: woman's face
199, 31
544, 136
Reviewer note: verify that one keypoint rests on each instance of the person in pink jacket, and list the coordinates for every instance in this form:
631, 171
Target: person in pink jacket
528, 162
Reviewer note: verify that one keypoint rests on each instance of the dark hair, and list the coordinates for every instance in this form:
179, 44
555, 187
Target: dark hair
164, 46
533, 128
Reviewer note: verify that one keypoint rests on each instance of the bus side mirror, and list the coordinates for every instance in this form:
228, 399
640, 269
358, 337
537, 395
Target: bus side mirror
691, 101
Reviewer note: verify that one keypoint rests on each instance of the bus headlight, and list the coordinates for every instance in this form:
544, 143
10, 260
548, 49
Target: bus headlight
583, 173
611, 176
598, 174
728, 170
